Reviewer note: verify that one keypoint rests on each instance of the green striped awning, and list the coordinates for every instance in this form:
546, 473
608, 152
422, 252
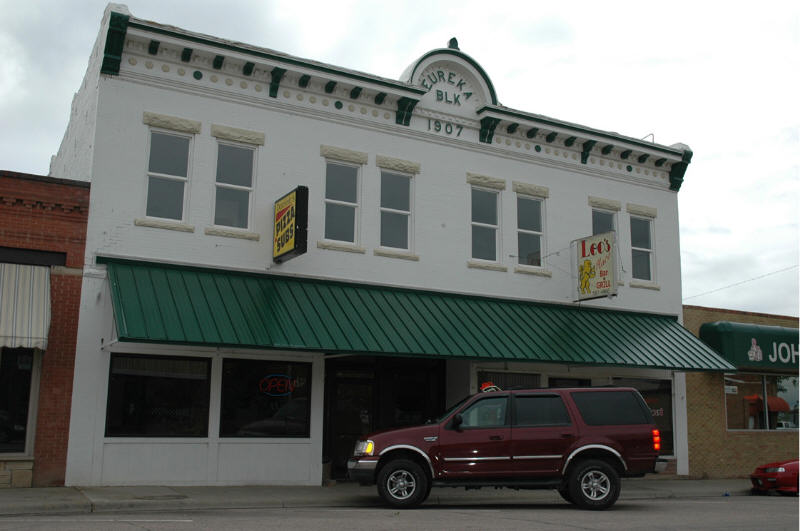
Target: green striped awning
183, 305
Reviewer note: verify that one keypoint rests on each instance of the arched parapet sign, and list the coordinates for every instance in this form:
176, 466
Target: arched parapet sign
455, 84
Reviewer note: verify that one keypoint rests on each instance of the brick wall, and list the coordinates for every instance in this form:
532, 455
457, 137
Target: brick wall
714, 451
46, 214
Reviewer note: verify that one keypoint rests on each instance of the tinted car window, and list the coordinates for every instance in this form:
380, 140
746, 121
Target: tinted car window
611, 407
540, 411
486, 413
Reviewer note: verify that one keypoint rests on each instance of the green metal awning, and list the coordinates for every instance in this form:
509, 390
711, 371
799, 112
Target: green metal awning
754, 346
183, 305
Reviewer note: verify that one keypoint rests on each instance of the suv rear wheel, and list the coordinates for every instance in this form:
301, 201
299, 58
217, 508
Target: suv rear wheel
593, 484
403, 483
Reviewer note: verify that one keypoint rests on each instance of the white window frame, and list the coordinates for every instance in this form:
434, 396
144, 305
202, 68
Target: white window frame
605, 211
249, 190
357, 205
651, 253
497, 227
166, 176
541, 234
409, 214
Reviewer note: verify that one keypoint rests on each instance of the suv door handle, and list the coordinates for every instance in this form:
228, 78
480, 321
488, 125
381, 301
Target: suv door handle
495, 437
566, 435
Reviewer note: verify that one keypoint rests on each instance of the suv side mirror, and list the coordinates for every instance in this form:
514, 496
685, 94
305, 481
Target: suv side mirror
457, 421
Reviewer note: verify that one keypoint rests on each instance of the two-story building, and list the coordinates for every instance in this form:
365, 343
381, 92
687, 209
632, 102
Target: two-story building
449, 241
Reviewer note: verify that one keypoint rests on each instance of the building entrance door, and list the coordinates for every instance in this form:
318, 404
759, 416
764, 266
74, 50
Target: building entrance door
365, 394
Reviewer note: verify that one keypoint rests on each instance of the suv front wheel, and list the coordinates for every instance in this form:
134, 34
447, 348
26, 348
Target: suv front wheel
593, 484
403, 483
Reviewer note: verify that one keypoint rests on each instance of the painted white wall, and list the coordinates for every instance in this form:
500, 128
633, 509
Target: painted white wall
107, 141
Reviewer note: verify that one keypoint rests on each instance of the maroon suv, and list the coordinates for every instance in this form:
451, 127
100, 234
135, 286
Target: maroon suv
578, 441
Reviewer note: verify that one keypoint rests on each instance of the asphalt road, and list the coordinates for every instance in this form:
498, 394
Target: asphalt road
723, 513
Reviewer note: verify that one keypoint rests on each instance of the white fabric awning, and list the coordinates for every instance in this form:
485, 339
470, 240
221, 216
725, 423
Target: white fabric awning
24, 306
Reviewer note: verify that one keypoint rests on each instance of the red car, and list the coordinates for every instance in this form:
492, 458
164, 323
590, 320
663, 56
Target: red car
780, 477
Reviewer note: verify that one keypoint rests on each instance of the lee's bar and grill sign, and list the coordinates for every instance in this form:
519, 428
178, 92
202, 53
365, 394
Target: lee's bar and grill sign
291, 225
595, 264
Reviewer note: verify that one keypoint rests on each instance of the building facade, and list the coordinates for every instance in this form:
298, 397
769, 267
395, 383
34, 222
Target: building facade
42, 238
732, 430
450, 240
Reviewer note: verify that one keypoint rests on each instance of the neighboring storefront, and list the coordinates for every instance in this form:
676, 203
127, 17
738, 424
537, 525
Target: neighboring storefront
42, 236
744, 418
283, 255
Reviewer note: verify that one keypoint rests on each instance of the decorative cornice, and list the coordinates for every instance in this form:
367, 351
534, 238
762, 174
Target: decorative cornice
403, 166
343, 155
115, 42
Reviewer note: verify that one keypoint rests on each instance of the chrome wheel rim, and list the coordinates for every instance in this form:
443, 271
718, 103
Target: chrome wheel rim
595, 485
401, 484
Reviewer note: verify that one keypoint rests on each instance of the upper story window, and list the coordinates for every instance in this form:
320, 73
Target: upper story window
167, 175
602, 221
529, 230
485, 225
642, 248
234, 185
395, 210
341, 202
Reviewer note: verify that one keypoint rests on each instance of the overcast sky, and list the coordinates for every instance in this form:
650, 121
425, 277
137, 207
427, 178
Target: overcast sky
721, 77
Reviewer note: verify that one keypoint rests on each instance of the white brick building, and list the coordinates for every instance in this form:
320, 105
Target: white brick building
439, 254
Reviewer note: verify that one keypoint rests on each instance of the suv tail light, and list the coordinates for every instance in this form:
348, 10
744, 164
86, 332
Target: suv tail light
656, 440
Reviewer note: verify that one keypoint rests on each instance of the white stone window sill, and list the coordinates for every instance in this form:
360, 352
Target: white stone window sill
163, 224
533, 270
396, 253
491, 266
340, 246
232, 233
644, 284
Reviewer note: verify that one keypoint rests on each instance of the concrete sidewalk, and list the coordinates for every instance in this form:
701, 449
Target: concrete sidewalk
71, 500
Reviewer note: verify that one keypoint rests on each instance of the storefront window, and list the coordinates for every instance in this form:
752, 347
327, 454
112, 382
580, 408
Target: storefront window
16, 366
746, 408
657, 395
155, 396
265, 399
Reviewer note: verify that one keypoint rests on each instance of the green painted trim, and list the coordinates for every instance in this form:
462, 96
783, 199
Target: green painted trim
152, 49
629, 168
397, 85
218, 60
405, 106
338, 104
304, 80
532, 132
275, 81
488, 125
513, 115
355, 92
625, 154
643, 158
115, 42
379, 97
660, 162
186, 55
607, 149
330, 86
550, 137
571, 140
198, 75
248, 67
678, 170
586, 150
512, 128
458, 53
538, 148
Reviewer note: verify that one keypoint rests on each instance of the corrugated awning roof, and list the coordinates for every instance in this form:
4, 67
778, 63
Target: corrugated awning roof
171, 304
